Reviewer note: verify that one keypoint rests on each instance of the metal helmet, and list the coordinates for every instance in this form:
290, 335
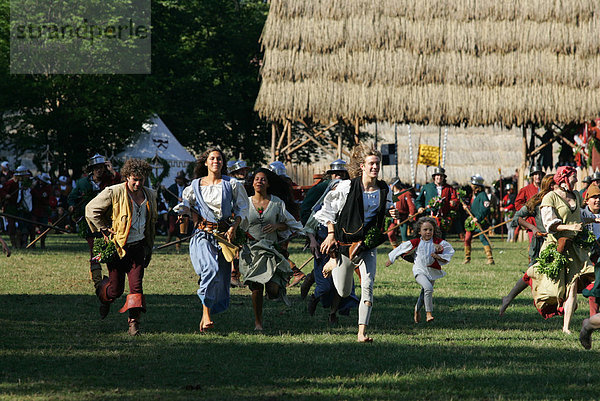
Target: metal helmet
595, 176
21, 171
97, 159
236, 165
508, 186
439, 171
477, 180
278, 168
45, 178
587, 179
395, 182
338, 165
535, 169
63, 179
229, 164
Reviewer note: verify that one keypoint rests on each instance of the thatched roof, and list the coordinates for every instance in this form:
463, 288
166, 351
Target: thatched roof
439, 62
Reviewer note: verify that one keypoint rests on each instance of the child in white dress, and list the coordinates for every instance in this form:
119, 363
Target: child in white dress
428, 253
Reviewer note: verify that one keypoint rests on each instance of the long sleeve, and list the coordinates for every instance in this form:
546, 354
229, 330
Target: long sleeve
549, 218
293, 225
188, 200
404, 247
96, 211
447, 253
334, 202
240, 199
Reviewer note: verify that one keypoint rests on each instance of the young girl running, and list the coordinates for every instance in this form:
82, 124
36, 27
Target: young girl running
429, 253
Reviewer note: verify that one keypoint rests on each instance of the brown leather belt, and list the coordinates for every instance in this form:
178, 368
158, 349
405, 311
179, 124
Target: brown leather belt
207, 226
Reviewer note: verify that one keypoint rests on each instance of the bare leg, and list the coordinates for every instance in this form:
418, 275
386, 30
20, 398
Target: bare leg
257, 306
362, 337
569, 308
206, 322
588, 326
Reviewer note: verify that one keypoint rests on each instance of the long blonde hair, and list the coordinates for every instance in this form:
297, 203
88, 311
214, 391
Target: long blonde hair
359, 153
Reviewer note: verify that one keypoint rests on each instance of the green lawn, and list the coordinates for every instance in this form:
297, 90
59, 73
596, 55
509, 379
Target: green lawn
53, 346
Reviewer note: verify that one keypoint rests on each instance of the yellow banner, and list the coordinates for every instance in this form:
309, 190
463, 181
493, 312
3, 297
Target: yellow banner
429, 155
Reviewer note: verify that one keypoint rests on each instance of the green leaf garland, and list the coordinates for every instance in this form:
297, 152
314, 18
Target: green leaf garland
104, 251
550, 262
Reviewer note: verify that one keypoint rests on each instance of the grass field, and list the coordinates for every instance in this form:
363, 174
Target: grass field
53, 346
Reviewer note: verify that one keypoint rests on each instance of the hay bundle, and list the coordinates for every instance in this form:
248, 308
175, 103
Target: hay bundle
474, 62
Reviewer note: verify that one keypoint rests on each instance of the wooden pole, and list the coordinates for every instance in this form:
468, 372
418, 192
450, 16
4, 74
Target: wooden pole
273, 141
288, 157
356, 131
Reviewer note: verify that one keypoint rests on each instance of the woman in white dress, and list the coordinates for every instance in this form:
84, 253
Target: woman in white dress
262, 262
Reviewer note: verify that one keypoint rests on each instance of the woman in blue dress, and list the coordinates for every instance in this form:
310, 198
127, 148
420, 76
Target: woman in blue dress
217, 204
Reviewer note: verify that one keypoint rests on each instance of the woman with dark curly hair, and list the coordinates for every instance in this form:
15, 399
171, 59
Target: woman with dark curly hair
263, 263
429, 253
217, 204
355, 209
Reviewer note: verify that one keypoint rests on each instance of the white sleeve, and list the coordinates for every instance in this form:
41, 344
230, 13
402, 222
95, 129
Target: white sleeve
240, 199
388, 202
293, 225
549, 218
400, 250
188, 200
447, 253
334, 202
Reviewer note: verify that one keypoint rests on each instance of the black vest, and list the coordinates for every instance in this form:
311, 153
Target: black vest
350, 225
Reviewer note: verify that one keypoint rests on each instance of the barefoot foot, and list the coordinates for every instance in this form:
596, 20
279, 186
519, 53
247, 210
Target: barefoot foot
417, 316
364, 339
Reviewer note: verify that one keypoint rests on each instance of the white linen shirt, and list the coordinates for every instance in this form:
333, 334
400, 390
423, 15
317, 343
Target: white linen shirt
423, 257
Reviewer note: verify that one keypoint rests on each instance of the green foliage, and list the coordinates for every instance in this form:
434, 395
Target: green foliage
241, 237
104, 251
551, 263
373, 238
584, 239
470, 224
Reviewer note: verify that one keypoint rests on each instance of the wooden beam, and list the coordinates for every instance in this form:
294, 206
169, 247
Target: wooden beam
319, 144
321, 132
289, 139
326, 140
356, 131
281, 136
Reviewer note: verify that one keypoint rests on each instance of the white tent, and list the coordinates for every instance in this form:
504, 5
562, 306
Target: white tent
157, 140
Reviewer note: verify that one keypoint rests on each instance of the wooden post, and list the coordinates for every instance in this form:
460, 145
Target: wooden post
339, 146
288, 157
356, 131
273, 141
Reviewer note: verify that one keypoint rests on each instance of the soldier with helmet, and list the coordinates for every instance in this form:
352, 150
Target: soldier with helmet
508, 208
480, 209
536, 174
438, 188
101, 174
587, 180
16, 195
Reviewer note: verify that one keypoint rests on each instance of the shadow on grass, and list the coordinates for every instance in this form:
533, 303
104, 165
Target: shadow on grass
55, 345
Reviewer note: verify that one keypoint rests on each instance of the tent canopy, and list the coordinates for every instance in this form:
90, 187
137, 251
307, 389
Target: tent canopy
157, 140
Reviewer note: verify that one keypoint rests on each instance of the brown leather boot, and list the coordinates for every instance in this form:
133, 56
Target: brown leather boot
467, 254
105, 301
134, 301
488, 253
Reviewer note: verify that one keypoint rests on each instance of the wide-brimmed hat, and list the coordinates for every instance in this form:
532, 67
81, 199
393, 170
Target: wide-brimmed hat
96, 159
21, 171
536, 169
236, 165
477, 180
278, 168
181, 175
439, 171
44, 177
337, 165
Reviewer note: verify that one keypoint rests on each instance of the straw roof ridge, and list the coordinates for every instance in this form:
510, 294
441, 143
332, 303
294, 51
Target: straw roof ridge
470, 62
570, 12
